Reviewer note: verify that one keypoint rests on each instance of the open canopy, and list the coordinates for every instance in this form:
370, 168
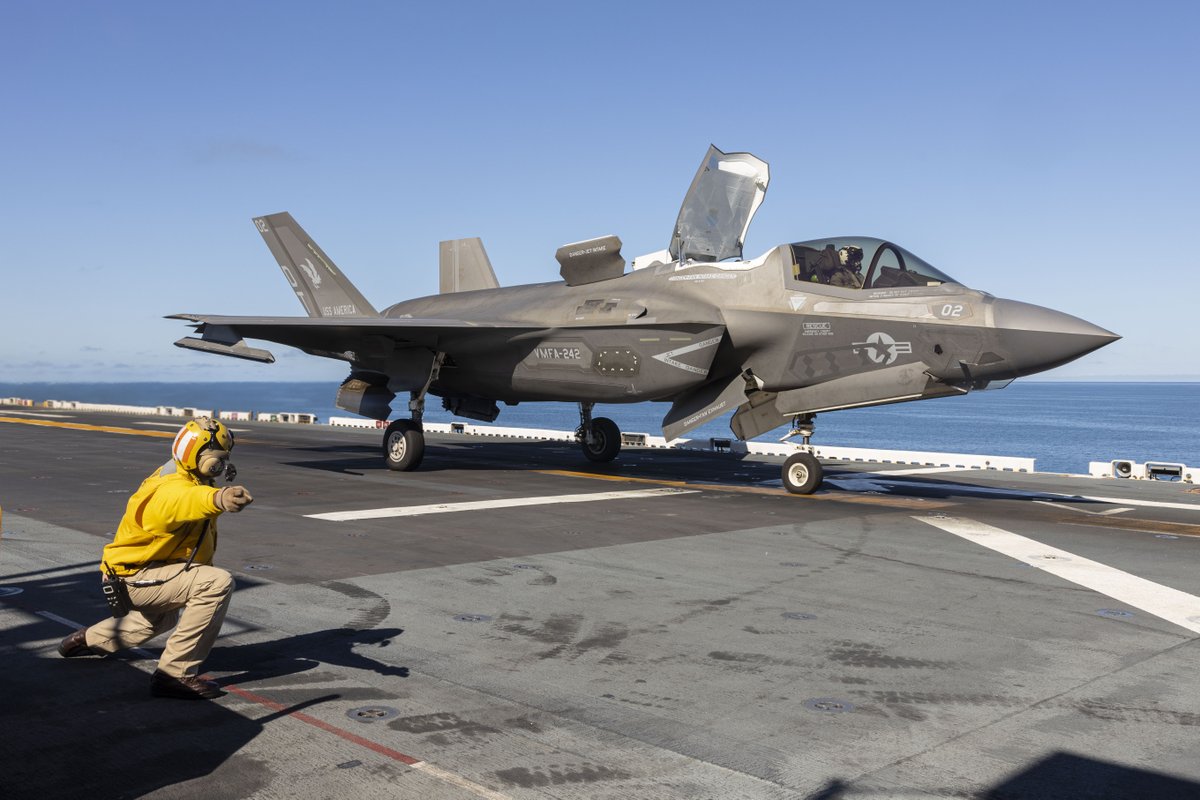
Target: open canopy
712, 223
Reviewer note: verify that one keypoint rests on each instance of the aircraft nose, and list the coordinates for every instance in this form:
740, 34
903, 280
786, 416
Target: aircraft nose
1040, 338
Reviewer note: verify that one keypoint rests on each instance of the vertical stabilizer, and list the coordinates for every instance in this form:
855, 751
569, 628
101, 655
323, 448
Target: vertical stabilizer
465, 266
316, 280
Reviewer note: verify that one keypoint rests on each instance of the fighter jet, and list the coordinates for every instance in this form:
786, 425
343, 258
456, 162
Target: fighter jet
805, 328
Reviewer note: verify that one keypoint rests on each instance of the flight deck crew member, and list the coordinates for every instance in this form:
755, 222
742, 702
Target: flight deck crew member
163, 549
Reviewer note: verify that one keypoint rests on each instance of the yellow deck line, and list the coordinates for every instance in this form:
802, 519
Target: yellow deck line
563, 473
1135, 524
839, 497
80, 426
892, 502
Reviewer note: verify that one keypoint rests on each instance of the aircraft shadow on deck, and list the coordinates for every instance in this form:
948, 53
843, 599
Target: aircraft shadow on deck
1064, 774
517, 457
710, 468
1059, 775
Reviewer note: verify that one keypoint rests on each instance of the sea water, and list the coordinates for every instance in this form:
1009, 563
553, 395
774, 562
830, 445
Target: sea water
1063, 425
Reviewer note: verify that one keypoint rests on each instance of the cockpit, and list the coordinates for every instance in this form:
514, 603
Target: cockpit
861, 263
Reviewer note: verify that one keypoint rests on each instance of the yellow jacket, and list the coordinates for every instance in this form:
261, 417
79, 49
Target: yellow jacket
163, 521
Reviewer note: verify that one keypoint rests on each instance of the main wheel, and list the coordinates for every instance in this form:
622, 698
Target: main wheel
802, 473
606, 441
403, 445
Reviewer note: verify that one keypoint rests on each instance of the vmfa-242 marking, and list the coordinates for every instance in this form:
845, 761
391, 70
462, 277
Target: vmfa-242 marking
807, 327
558, 354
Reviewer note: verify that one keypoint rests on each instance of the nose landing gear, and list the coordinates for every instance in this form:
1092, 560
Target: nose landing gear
802, 472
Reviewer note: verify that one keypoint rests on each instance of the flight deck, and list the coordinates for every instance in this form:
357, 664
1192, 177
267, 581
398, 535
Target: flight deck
512, 621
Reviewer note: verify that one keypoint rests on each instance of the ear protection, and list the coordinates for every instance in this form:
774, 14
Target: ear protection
212, 462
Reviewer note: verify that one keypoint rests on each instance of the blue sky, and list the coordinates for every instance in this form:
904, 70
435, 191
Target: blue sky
1039, 151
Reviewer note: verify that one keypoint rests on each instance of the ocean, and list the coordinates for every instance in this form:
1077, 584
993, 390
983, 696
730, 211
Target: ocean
1063, 425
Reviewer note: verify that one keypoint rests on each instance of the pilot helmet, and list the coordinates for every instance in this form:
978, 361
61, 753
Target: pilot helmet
851, 257
203, 446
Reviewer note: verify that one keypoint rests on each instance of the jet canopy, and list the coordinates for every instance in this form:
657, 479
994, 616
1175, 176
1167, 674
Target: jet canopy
860, 262
716, 212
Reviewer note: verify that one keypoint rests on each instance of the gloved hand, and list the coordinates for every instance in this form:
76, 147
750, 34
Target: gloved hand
233, 498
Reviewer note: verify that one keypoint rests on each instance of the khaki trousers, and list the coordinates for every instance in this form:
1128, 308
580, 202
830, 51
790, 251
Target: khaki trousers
193, 602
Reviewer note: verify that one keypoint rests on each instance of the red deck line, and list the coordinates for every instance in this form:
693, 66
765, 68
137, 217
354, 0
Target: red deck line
325, 726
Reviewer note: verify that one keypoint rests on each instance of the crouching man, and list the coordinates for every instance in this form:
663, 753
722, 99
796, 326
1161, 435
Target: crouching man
162, 553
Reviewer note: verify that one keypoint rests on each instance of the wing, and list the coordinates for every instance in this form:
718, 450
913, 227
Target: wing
353, 339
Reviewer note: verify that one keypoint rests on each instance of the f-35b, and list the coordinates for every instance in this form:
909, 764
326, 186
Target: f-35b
807, 327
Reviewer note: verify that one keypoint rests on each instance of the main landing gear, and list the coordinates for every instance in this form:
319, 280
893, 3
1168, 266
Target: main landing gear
404, 439
802, 472
600, 438
403, 445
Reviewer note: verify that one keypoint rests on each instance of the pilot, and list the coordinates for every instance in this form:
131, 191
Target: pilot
163, 552
849, 271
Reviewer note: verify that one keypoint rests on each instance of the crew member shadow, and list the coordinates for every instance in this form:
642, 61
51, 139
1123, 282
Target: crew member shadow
266, 662
88, 727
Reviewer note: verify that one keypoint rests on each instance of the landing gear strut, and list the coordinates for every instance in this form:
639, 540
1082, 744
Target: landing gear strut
404, 439
600, 438
802, 472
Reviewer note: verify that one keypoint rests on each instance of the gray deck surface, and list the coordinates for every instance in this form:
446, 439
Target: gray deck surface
722, 640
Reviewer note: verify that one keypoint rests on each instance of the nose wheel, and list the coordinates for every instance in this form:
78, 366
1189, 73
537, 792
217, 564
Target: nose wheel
802, 473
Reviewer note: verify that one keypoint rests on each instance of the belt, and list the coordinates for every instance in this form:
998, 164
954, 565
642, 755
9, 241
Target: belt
149, 564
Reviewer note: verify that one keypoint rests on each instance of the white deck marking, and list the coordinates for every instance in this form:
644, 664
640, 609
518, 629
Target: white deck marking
875, 481
883, 473
1146, 503
1174, 606
36, 414
1109, 512
459, 781
179, 425
50, 615
481, 505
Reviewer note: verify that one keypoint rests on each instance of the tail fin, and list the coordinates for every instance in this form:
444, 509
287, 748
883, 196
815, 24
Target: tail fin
465, 267
324, 291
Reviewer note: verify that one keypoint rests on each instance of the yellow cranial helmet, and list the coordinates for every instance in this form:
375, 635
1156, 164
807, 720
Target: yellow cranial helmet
203, 445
